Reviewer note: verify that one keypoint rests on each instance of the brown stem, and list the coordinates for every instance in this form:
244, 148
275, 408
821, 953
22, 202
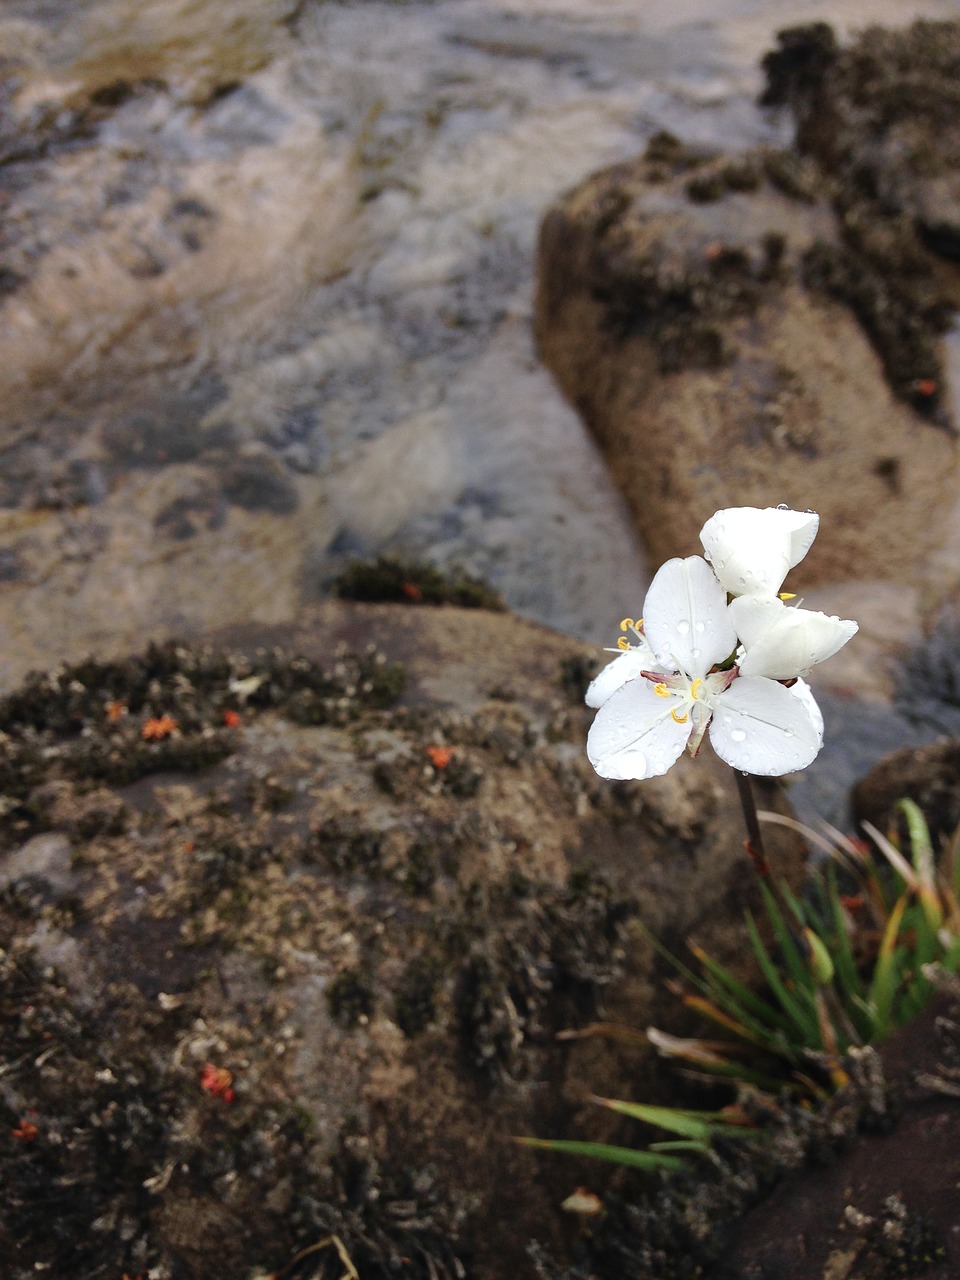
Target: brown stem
754, 842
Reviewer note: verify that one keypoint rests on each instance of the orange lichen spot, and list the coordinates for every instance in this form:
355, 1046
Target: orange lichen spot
25, 1131
231, 718
925, 387
713, 251
217, 1081
411, 591
440, 757
159, 727
116, 710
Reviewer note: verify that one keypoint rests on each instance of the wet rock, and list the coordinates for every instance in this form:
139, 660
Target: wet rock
288, 925
928, 775
680, 308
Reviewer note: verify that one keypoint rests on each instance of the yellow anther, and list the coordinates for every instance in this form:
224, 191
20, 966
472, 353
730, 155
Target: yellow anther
661, 690
623, 643
627, 624
788, 595
695, 686
679, 719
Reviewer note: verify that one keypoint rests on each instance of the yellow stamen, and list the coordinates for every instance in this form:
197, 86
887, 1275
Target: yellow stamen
627, 624
679, 719
661, 690
695, 686
623, 643
788, 595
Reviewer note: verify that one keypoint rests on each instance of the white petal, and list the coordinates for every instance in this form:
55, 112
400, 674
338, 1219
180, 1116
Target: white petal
752, 549
634, 734
802, 690
754, 615
685, 617
796, 642
762, 727
627, 666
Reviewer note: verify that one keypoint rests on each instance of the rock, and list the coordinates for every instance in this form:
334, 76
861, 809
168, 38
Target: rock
285, 942
887, 1205
688, 307
928, 775
879, 115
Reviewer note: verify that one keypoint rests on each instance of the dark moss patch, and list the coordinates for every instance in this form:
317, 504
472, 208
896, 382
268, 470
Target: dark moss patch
350, 997
682, 310
410, 582
541, 969
117, 1158
877, 118
105, 721
415, 1006
904, 333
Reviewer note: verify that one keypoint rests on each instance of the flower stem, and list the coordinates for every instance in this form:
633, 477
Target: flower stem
754, 841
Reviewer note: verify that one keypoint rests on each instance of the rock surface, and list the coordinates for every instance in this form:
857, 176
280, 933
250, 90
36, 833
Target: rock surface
764, 327
285, 944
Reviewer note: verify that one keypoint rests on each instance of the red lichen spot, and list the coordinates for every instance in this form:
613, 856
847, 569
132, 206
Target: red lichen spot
925, 387
231, 718
852, 902
440, 757
411, 591
217, 1081
159, 727
25, 1131
116, 710
713, 251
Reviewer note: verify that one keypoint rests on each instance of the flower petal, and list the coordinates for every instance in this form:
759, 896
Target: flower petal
762, 727
754, 615
796, 642
685, 617
752, 549
634, 735
627, 666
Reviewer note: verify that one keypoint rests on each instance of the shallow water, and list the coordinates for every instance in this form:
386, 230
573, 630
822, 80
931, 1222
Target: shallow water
323, 273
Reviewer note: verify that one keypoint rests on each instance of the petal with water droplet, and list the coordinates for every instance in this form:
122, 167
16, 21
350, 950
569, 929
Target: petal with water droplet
753, 549
685, 616
764, 728
627, 666
634, 734
795, 643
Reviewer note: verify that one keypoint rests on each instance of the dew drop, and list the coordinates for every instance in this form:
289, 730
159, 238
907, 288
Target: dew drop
788, 733
782, 506
700, 626
738, 735
683, 626
694, 652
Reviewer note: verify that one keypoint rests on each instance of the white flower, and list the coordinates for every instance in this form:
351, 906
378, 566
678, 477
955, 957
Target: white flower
752, 549
781, 642
648, 716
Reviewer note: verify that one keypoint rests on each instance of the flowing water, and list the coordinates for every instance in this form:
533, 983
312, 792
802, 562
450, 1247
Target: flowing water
275, 308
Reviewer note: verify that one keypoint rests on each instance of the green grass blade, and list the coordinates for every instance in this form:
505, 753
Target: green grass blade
804, 1020
747, 1005
797, 965
701, 1125
887, 970
647, 1160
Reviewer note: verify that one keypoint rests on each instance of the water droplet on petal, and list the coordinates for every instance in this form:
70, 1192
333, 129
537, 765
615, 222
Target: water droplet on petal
683, 626
782, 506
700, 626
694, 652
738, 735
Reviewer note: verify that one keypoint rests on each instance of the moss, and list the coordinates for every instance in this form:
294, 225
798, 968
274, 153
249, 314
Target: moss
904, 334
416, 1000
350, 997
410, 582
